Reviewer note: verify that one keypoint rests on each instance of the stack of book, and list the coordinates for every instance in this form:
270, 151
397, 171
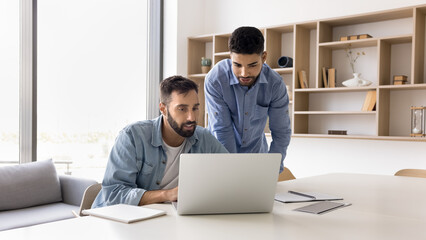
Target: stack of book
355, 37
399, 79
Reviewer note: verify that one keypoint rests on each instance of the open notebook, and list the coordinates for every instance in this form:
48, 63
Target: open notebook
124, 213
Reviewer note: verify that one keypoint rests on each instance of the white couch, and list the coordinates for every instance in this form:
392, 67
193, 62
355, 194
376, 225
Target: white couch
33, 193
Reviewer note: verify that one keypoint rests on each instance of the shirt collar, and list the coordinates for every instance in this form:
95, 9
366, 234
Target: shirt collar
157, 139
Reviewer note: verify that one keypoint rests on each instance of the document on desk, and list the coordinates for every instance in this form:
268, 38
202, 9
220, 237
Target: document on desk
321, 207
293, 197
124, 213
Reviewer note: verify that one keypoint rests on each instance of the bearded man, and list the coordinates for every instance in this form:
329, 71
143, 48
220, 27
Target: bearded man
143, 166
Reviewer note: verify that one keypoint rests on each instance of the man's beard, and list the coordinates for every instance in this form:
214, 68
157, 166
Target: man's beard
179, 130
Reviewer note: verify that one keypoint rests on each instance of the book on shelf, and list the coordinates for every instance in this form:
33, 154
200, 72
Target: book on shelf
331, 77
400, 78
303, 79
345, 38
324, 77
370, 101
364, 36
337, 132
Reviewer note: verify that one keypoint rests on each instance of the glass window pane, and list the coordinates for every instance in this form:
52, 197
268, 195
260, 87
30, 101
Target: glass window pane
91, 79
9, 82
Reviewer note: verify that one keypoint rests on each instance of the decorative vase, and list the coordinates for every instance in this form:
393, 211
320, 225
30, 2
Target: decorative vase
356, 81
205, 64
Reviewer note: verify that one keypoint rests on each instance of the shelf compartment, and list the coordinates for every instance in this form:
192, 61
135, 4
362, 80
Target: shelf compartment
394, 109
377, 24
279, 42
395, 55
221, 43
350, 101
305, 48
354, 124
198, 47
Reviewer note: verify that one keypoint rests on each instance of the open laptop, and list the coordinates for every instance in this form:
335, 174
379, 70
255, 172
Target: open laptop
227, 183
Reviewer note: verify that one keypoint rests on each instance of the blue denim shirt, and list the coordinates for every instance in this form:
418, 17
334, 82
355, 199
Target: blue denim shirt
137, 161
238, 114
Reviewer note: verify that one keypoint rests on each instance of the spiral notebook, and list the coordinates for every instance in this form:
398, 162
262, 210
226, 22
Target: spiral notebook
124, 213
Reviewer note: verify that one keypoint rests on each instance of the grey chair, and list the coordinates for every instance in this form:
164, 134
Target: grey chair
412, 173
286, 175
88, 197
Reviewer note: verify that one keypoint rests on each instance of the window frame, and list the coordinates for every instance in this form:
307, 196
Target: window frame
28, 72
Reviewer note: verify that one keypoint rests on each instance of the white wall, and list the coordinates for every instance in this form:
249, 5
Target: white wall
306, 156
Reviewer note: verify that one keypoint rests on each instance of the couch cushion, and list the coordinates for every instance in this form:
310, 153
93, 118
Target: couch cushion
36, 215
28, 185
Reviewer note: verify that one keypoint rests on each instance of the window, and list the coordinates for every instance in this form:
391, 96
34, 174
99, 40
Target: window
92, 58
9, 81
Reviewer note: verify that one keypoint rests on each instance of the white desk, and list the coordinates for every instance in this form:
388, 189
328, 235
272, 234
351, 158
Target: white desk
384, 207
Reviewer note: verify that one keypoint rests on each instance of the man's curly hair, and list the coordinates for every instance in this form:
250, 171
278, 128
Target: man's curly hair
246, 40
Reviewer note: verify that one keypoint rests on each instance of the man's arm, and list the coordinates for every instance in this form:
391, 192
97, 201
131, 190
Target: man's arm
157, 196
279, 122
119, 183
219, 116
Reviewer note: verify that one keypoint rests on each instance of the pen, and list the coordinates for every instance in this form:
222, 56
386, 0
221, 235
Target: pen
302, 194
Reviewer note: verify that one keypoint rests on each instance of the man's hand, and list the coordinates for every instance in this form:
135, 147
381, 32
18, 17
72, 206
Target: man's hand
158, 196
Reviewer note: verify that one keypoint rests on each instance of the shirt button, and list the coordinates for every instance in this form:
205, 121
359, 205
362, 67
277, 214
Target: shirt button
246, 113
245, 129
163, 162
158, 182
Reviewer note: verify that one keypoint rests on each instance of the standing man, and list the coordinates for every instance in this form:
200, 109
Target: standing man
143, 165
242, 92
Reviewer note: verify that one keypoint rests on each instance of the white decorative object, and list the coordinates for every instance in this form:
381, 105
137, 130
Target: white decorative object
356, 81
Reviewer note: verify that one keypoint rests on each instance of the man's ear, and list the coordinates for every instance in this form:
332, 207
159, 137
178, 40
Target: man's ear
163, 108
264, 54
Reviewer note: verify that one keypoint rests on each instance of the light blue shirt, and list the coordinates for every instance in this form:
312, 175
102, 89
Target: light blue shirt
237, 114
137, 161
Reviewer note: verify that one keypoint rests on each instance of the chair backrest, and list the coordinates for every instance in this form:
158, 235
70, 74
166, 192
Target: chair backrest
412, 173
286, 175
88, 197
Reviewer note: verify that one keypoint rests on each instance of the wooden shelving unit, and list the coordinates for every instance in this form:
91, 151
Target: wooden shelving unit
397, 47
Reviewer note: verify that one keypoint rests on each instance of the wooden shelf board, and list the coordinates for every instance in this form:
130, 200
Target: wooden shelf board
336, 89
366, 137
223, 54
283, 70
421, 86
197, 76
282, 28
360, 43
202, 38
371, 17
398, 39
334, 112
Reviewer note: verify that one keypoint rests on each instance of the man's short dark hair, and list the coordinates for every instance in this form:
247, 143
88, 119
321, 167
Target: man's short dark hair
246, 40
175, 83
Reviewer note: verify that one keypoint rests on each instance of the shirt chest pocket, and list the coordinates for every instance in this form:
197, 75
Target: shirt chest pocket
260, 112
